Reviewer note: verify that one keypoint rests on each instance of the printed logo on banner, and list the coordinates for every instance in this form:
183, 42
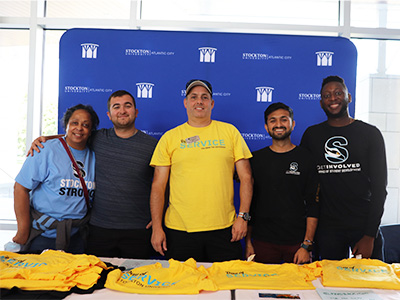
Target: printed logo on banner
215, 94
207, 54
156, 134
264, 56
255, 56
138, 52
146, 52
264, 93
89, 50
85, 89
324, 58
254, 136
76, 89
144, 90
309, 96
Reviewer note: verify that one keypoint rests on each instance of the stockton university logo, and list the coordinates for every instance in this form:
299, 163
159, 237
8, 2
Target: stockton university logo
81, 169
89, 50
335, 152
324, 58
264, 93
207, 54
144, 90
294, 166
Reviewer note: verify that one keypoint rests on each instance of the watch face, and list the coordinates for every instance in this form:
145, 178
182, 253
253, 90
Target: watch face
307, 247
246, 217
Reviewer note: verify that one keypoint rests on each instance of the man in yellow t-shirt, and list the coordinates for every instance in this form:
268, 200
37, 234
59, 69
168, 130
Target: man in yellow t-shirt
199, 158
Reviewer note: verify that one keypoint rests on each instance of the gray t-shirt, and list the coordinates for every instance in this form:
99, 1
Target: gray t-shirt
123, 180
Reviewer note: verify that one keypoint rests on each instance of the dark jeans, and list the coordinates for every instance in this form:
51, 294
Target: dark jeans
337, 244
204, 246
124, 243
40, 243
269, 253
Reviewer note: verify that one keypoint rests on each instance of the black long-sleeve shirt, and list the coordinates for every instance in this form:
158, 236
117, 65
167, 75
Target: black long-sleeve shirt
351, 164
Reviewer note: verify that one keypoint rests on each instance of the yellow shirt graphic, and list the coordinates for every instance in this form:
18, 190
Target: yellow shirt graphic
357, 273
51, 270
237, 274
178, 278
201, 180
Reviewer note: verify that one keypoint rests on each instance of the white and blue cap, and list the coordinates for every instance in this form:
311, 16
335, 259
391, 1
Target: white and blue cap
198, 82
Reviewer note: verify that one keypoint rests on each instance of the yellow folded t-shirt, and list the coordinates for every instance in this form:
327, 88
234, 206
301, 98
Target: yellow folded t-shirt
51, 270
359, 273
238, 274
178, 278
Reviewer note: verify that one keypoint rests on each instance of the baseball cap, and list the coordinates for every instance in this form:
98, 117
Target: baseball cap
198, 82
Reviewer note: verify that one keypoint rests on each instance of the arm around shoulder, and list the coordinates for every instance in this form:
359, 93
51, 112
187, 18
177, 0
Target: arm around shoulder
38, 143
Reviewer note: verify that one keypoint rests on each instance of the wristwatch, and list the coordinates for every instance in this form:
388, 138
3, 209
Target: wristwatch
245, 216
307, 247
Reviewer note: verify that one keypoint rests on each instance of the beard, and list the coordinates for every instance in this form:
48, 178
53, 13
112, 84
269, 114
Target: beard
341, 113
280, 137
124, 125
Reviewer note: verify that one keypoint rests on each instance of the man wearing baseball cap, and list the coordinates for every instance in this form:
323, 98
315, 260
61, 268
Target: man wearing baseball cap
198, 159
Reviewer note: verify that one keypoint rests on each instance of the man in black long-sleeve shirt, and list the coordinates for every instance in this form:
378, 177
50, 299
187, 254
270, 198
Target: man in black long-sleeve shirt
351, 163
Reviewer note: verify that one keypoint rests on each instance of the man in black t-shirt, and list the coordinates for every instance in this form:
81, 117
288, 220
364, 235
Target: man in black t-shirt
284, 207
351, 164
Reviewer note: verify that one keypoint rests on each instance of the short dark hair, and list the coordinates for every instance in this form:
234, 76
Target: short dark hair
93, 115
333, 78
275, 106
119, 93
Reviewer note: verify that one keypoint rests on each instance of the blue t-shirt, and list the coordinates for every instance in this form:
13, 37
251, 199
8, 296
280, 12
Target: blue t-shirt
55, 186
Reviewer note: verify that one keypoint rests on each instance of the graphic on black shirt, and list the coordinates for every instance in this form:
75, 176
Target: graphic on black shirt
334, 151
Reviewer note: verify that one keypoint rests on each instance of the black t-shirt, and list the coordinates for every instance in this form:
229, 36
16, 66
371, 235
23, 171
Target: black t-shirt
285, 188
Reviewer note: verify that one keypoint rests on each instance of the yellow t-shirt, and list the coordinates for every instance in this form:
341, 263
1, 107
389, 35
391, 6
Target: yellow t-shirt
178, 278
357, 273
237, 274
202, 162
51, 270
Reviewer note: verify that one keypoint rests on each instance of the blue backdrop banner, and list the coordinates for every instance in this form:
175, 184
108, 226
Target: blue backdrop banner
248, 72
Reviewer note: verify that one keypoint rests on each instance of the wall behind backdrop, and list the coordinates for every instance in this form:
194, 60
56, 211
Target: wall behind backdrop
248, 72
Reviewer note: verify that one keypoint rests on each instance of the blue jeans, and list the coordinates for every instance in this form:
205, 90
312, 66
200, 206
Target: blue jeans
40, 243
336, 244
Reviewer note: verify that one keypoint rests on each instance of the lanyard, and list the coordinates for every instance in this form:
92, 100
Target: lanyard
85, 191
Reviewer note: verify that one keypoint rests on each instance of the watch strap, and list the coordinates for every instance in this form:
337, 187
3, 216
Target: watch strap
307, 247
244, 215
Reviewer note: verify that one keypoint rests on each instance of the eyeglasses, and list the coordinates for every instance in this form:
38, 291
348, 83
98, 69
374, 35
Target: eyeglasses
336, 94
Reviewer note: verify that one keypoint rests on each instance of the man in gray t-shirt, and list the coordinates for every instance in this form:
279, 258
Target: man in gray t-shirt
120, 220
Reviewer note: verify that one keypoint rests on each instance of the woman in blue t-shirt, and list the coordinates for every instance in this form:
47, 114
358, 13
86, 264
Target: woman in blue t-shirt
49, 199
